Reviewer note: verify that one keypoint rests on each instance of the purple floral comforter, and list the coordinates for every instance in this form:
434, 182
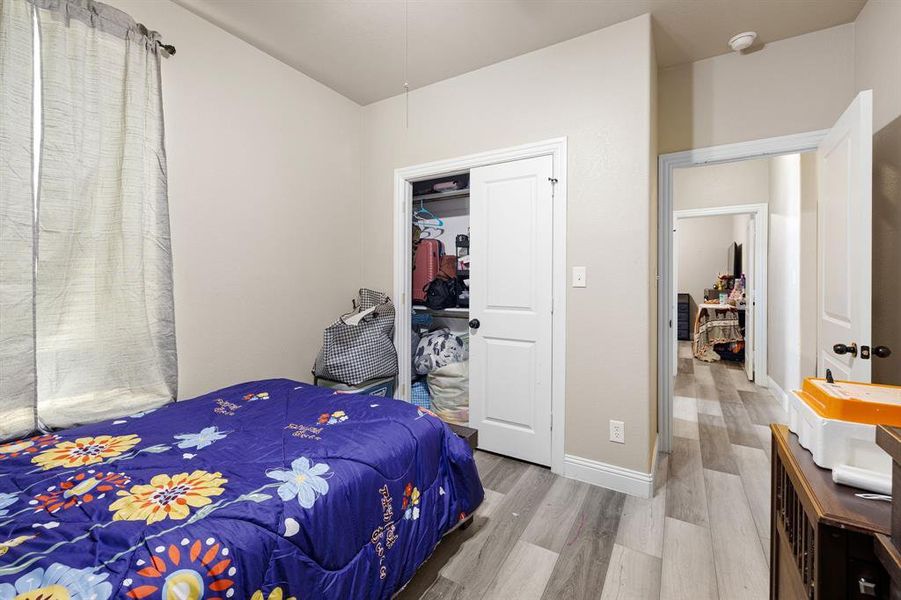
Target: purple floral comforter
266, 490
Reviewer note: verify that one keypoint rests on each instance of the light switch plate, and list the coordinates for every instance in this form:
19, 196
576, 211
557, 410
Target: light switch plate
580, 277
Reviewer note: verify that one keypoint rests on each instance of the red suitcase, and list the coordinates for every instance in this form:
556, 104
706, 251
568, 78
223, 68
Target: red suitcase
426, 265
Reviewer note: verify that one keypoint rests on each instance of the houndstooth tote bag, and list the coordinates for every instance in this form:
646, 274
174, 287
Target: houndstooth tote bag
359, 346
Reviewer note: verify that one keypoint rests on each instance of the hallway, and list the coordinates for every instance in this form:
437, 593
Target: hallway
717, 530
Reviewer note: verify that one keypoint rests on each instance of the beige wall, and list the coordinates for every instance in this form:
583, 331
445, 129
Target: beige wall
703, 247
595, 90
877, 66
791, 86
877, 58
727, 184
264, 172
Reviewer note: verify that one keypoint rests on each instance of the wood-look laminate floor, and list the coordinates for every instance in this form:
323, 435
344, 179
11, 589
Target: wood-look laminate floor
704, 534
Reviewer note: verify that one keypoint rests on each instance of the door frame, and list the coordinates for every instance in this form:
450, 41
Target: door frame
403, 211
666, 164
760, 213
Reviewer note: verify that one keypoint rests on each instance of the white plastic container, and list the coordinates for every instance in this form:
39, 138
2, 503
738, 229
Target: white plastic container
833, 442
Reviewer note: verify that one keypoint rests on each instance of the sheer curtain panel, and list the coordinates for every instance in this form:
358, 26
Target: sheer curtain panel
17, 380
104, 311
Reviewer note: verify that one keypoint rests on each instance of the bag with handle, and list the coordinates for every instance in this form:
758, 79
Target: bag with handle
441, 293
359, 346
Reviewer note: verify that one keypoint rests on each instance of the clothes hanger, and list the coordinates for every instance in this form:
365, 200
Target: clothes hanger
432, 226
429, 216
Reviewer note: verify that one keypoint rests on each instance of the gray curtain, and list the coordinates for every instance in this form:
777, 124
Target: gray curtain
103, 321
17, 380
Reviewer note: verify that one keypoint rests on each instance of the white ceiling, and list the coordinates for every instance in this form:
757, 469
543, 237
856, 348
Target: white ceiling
356, 47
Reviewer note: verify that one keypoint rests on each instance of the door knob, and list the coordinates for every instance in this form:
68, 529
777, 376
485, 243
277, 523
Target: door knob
843, 349
474, 324
882, 351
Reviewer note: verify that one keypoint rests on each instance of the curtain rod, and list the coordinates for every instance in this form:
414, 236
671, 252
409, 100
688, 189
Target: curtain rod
168, 48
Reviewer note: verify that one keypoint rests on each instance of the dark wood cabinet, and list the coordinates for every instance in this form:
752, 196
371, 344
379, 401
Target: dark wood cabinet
822, 535
683, 317
888, 547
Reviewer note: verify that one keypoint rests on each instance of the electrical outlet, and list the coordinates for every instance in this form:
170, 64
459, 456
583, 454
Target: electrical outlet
580, 277
618, 432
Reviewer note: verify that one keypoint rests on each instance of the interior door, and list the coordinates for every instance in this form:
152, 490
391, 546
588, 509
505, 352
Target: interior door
749, 254
844, 215
511, 244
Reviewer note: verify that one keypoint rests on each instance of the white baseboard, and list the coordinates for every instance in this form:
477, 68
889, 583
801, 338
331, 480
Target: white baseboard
777, 391
634, 483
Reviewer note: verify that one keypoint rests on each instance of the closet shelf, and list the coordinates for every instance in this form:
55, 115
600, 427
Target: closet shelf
442, 195
451, 313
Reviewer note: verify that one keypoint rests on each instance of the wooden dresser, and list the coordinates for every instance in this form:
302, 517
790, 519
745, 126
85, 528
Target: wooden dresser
888, 547
821, 535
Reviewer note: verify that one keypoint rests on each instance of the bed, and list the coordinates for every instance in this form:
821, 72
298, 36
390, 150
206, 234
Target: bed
266, 490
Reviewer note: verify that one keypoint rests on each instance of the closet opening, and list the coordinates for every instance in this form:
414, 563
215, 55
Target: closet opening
480, 330
440, 259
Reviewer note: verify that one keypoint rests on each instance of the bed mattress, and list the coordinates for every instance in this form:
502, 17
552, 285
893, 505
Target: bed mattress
264, 490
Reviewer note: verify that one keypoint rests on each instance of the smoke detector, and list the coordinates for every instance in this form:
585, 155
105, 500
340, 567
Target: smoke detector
743, 41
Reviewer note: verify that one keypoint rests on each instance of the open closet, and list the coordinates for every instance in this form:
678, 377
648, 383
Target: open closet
440, 262
479, 295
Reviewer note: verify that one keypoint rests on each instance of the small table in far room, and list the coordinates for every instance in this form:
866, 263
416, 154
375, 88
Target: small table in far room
716, 324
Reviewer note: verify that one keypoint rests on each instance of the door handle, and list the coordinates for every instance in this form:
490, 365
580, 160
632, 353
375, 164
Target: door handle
474, 324
882, 351
843, 349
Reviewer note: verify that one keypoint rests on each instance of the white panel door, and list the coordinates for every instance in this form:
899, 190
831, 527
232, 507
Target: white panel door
749, 255
511, 217
844, 214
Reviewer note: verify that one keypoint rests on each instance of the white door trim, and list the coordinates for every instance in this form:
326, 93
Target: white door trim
403, 179
667, 163
760, 212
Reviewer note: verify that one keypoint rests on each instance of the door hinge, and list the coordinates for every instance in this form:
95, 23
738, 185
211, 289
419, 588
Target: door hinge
553, 180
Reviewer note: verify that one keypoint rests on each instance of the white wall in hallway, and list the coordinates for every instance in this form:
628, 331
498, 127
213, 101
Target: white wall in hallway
792, 270
702, 253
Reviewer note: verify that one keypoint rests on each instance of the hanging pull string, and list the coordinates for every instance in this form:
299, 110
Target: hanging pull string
406, 65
